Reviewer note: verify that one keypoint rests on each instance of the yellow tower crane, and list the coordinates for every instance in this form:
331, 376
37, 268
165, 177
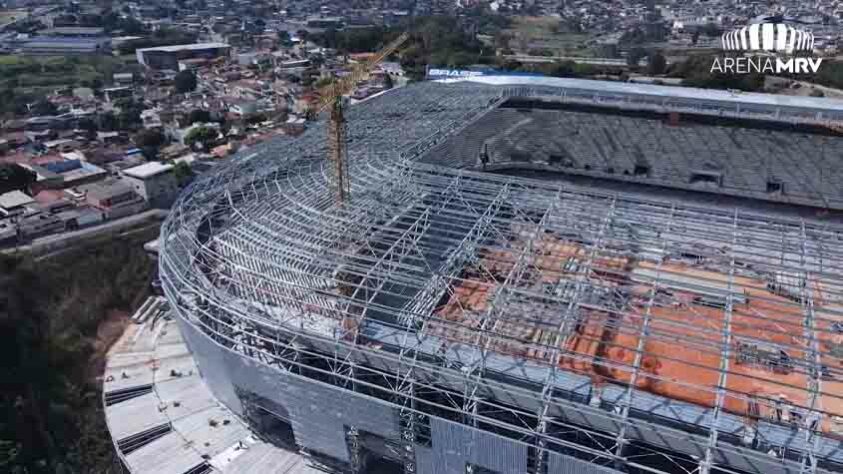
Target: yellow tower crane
331, 97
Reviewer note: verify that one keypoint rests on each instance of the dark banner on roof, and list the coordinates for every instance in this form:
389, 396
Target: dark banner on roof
439, 72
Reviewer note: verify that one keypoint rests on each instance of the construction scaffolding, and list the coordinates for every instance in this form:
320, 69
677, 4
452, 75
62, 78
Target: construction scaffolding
577, 329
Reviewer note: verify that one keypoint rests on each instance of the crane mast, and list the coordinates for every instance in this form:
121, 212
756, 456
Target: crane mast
337, 151
331, 97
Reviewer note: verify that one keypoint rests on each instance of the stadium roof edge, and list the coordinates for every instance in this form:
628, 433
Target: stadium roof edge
693, 93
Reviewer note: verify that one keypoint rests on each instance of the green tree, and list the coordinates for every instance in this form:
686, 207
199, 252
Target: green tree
657, 64
20, 106
323, 82
26, 354
185, 81
634, 56
14, 177
502, 39
108, 122
198, 116
130, 116
183, 173
44, 107
711, 29
205, 136
562, 69
49, 318
149, 141
540, 52
284, 37
87, 125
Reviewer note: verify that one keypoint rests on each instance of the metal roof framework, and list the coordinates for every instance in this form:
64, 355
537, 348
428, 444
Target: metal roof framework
260, 257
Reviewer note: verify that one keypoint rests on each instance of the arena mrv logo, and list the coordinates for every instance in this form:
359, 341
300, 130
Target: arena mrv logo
777, 49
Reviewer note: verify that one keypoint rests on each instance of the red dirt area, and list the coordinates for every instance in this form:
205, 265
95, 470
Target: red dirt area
108, 333
682, 354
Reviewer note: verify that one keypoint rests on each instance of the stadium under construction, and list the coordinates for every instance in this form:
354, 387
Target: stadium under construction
530, 275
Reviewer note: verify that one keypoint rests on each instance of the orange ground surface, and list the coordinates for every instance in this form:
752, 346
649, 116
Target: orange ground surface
681, 357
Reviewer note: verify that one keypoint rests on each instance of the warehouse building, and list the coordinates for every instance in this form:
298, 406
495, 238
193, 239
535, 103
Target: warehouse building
168, 57
74, 32
57, 46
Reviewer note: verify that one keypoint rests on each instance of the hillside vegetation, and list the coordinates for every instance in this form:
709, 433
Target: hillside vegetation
52, 344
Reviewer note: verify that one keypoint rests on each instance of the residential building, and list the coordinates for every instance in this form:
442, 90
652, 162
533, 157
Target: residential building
245, 108
114, 93
37, 225
14, 203
154, 181
115, 198
79, 217
67, 173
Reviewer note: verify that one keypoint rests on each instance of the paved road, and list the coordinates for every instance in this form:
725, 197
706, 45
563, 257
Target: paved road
52, 243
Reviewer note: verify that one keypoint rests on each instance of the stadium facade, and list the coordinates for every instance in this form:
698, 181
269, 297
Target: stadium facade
455, 316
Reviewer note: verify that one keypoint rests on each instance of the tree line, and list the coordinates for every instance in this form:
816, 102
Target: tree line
49, 358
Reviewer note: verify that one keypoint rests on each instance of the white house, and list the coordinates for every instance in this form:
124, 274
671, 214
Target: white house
154, 181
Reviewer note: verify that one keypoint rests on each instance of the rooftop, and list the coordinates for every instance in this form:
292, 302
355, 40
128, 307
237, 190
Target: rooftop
148, 170
62, 41
106, 189
14, 199
73, 30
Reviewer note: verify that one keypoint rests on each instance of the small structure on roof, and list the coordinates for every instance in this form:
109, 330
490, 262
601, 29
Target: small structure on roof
13, 203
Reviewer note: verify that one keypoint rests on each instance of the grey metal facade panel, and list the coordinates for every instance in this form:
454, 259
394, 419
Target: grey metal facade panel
251, 376
318, 413
674, 410
318, 427
455, 445
562, 464
429, 461
791, 438
528, 401
513, 367
729, 423
694, 445
396, 337
831, 448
